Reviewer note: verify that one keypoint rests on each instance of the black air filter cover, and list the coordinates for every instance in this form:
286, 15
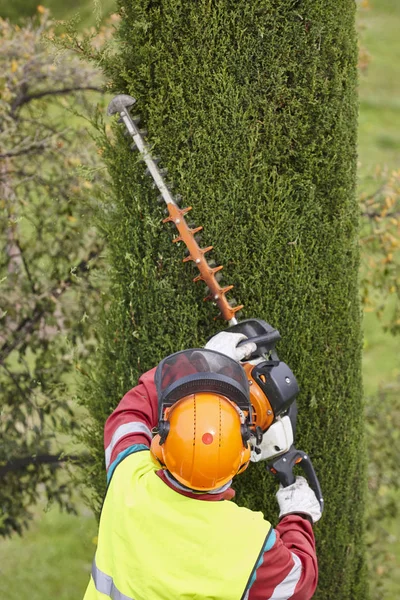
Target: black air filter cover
278, 383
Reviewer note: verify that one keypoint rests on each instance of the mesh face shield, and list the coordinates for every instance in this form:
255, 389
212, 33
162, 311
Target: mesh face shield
199, 370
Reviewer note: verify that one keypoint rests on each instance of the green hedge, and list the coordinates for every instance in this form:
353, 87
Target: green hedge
253, 108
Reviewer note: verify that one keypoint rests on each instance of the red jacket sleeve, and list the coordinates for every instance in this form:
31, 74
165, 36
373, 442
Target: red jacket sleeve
289, 569
133, 419
135, 416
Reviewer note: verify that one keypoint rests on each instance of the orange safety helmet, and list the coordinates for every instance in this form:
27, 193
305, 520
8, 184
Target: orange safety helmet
204, 417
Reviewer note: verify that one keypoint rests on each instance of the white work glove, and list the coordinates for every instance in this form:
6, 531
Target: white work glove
226, 343
298, 498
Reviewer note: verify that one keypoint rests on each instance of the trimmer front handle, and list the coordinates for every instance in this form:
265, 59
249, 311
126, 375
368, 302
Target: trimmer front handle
260, 333
282, 468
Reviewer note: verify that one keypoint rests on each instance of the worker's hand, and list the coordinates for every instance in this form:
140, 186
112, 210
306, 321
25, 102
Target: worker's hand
298, 498
227, 343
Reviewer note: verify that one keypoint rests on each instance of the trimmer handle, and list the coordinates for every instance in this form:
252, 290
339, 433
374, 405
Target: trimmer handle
260, 333
282, 468
266, 339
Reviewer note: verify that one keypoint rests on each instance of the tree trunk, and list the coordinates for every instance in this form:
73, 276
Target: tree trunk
253, 108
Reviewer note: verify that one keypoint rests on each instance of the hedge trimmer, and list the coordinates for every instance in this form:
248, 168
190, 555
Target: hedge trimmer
273, 386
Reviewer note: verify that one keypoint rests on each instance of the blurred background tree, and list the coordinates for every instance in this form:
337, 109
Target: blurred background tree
380, 246
379, 161
49, 173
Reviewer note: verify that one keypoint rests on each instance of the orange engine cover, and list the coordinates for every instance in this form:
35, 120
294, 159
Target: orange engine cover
263, 415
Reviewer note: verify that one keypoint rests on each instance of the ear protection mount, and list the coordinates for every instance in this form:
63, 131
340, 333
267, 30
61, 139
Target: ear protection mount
163, 430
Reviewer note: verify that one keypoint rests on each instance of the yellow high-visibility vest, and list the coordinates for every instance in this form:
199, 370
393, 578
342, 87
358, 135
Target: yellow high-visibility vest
156, 544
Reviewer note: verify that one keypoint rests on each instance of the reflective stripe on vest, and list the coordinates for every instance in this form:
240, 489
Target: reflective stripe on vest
155, 543
105, 584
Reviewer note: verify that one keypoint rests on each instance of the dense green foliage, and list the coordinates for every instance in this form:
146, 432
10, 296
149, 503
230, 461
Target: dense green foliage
49, 251
253, 109
383, 428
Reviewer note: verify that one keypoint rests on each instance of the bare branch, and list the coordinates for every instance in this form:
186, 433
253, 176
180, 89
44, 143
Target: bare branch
28, 150
375, 194
24, 99
23, 394
27, 269
17, 464
373, 215
30, 145
47, 126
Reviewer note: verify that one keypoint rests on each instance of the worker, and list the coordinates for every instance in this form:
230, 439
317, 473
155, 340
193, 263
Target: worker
168, 529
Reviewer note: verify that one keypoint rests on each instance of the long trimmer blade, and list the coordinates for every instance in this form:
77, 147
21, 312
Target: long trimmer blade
121, 104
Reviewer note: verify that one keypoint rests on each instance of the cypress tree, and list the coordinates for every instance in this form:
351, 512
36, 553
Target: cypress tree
253, 108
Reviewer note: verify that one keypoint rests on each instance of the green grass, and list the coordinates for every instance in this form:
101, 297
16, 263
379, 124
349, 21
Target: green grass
88, 11
379, 121
392, 586
381, 354
52, 560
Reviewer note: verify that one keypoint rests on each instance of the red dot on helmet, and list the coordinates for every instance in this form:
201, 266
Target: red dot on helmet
207, 438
